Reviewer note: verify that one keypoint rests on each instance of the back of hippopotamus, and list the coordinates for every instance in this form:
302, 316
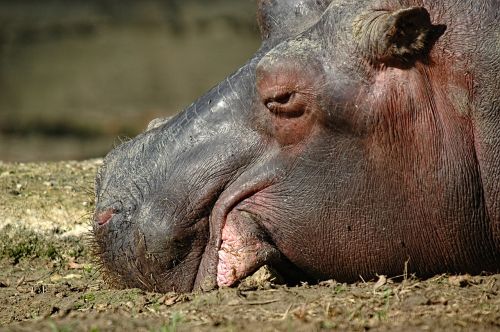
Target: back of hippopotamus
363, 138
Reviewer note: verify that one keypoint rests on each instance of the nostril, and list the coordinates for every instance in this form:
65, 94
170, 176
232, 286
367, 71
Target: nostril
102, 217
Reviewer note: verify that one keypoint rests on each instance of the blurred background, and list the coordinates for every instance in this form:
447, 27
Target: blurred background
77, 74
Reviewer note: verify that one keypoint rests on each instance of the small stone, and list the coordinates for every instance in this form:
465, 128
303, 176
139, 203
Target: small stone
171, 301
459, 281
382, 280
55, 278
102, 307
263, 278
327, 283
75, 266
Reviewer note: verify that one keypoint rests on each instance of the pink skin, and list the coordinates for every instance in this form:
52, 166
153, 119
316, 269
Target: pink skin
238, 230
103, 217
241, 251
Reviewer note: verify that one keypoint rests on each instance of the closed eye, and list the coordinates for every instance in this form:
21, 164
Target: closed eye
285, 105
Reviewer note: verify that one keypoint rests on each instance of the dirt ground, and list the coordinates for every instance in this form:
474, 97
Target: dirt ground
49, 282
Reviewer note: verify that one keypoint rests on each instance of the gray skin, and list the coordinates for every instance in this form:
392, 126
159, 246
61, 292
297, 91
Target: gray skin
362, 138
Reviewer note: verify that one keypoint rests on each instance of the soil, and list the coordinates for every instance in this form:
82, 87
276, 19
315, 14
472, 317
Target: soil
50, 282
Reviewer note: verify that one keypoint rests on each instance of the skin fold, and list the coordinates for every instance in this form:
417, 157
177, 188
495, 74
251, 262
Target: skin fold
361, 138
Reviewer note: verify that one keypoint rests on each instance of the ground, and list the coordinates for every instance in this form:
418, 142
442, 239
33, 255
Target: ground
49, 279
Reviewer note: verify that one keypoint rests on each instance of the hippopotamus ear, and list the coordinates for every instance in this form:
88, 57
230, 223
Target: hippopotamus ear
397, 38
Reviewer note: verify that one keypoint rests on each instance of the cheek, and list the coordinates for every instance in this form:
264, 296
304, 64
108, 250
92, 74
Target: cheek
293, 131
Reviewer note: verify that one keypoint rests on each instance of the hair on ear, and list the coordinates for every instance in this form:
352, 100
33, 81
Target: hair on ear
397, 38
410, 33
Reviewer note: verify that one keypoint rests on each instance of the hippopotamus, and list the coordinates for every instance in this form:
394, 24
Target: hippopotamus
362, 139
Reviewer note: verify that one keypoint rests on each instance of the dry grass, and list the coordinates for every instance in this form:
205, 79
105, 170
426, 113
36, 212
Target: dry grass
48, 281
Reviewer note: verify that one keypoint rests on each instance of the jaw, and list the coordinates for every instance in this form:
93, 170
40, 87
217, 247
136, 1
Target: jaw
245, 246
238, 245
244, 249
239, 242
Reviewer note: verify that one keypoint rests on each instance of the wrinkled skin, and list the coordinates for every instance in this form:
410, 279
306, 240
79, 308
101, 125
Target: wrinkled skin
363, 137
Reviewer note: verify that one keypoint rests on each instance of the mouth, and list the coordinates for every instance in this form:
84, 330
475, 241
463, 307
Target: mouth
244, 248
237, 244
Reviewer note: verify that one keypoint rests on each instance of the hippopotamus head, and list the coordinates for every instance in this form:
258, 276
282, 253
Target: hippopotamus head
359, 140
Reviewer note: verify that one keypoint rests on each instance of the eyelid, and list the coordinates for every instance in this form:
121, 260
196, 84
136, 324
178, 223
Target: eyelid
286, 105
